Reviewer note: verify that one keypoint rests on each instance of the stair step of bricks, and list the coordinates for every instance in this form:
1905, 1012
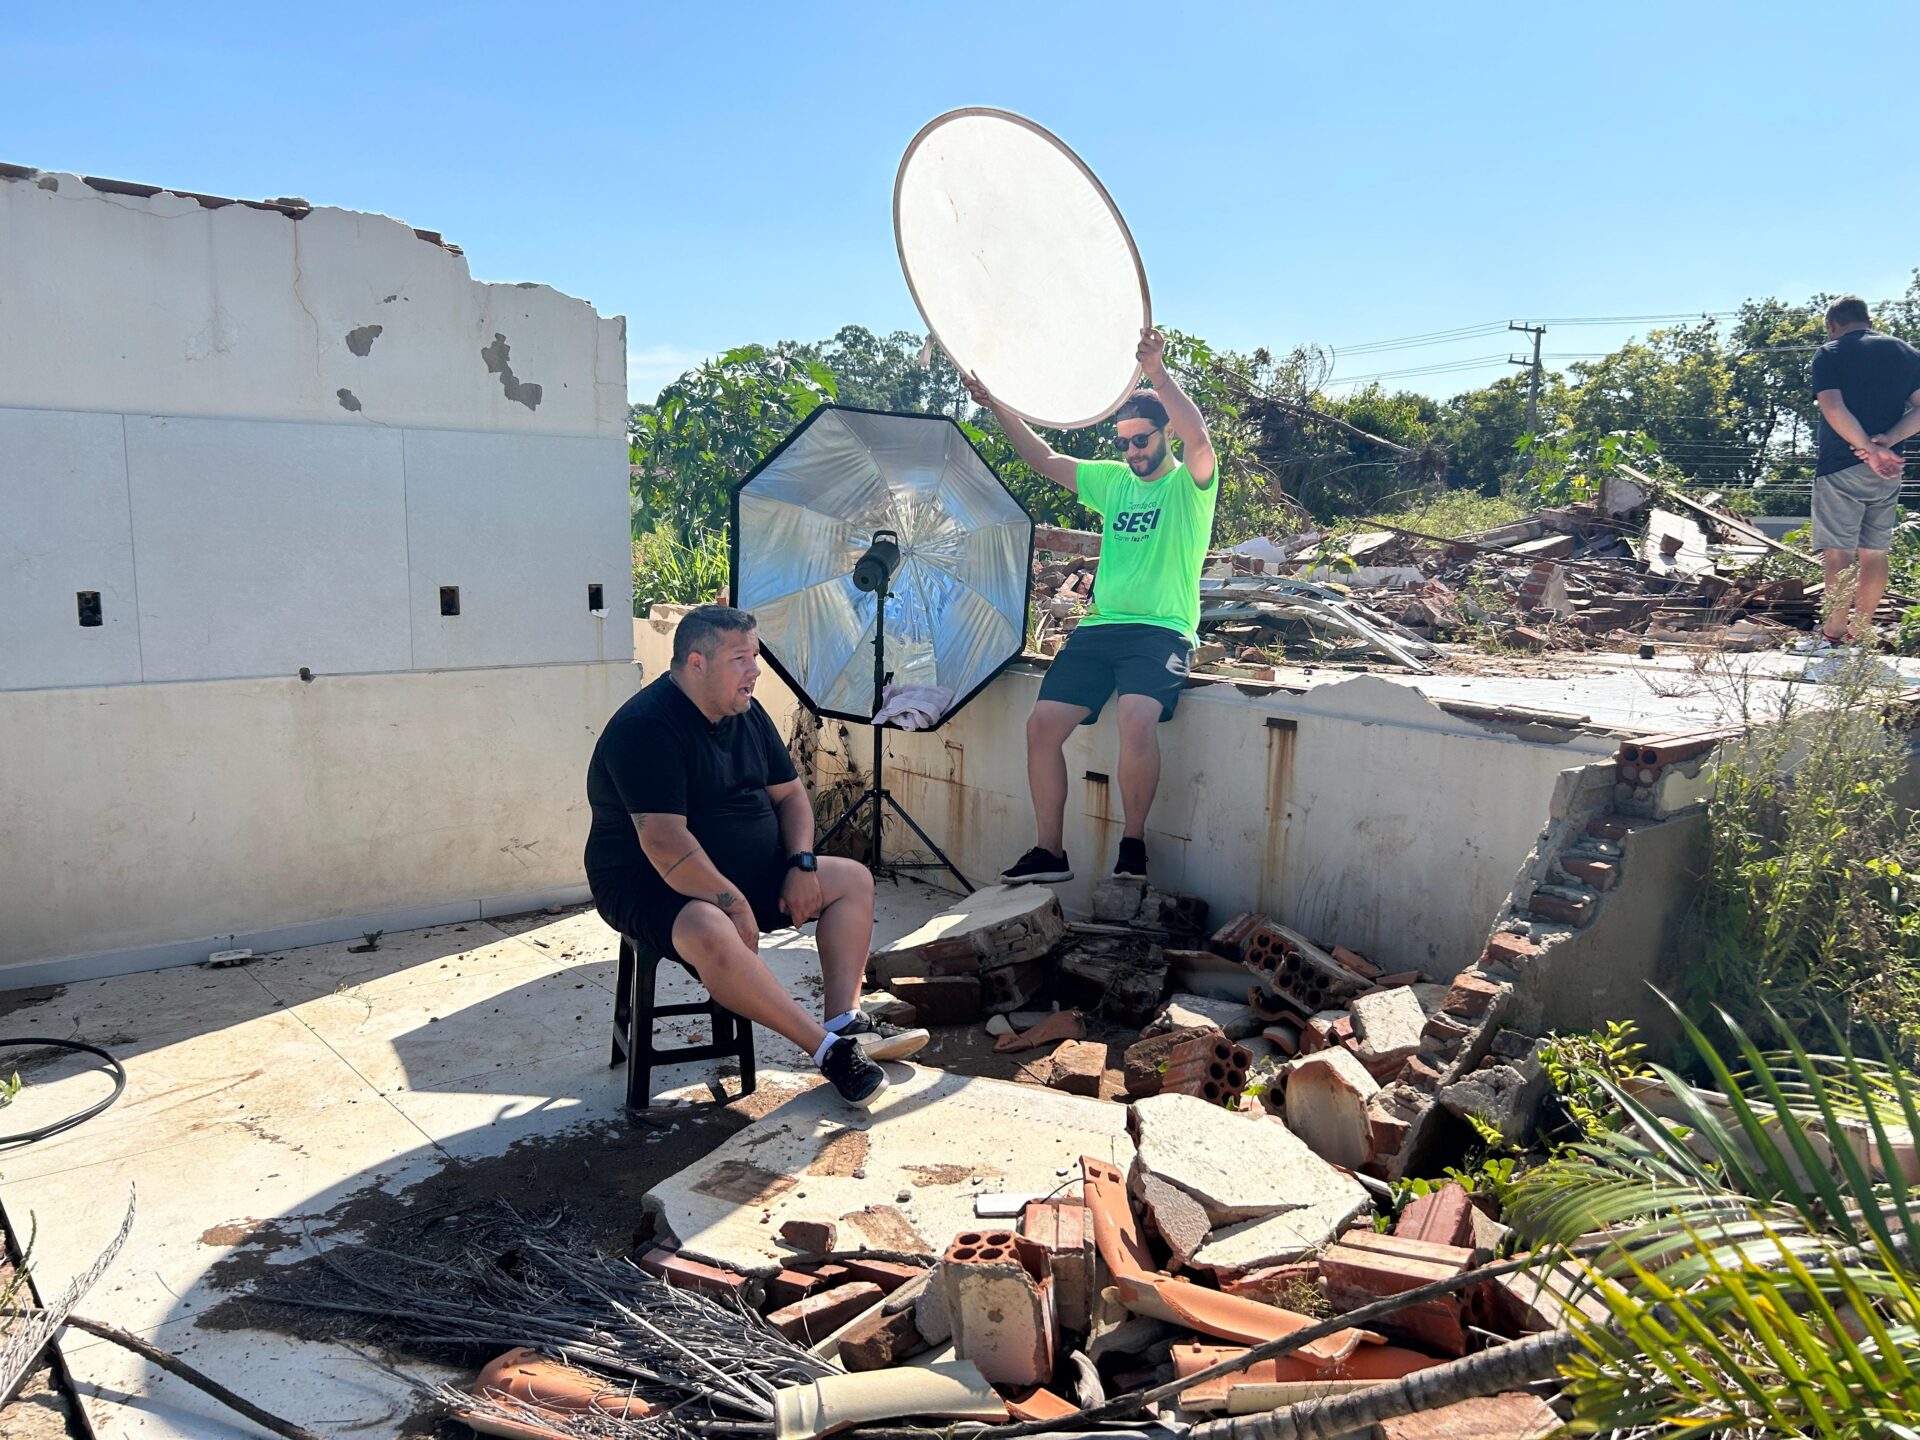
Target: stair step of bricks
1599, 874
1577, 912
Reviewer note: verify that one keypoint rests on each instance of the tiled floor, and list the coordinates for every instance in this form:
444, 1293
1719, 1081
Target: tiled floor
277, 1090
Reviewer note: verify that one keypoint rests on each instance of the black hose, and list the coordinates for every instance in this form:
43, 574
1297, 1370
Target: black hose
27, 1137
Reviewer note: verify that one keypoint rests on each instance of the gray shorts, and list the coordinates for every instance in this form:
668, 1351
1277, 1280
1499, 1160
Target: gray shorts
1853, 509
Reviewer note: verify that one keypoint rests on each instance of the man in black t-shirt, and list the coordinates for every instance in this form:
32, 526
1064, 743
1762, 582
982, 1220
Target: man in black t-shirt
703, 838
1868, 387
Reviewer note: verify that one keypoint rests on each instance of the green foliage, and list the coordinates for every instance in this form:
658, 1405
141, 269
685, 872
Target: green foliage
668, 571
1586, 1067
1807, 904
1567, 465
1450, 513
1907, 638
710, 427
1759, 1262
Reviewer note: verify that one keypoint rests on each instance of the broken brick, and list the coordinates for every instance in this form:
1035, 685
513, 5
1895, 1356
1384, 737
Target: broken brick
1327, 1096
1208, 1065
1060, 1025
889, 1275
1287, 1286
1421, 1075
1443, 1034
1078, 1067
1600, 874
940, 999
1000, 1299
1064, 1229
1008, 987
787, 1286
1231, 938
880, 1340
1145, 1060
816, 1237
1575, 912
1471, 995
1362, 1267
1356, 962
809, 1321
1440, 1217
676, 1269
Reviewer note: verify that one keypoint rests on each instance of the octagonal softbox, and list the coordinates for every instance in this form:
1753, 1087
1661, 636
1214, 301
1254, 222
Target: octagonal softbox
957, 611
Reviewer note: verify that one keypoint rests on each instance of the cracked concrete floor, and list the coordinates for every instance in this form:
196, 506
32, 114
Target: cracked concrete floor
309, 1094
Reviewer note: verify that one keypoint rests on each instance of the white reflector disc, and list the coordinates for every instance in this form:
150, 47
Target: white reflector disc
1021, 266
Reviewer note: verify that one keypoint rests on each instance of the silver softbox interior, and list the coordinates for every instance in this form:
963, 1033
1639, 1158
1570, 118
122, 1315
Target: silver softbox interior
958, 608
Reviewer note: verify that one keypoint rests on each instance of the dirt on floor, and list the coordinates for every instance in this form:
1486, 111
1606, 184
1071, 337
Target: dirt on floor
42, 1408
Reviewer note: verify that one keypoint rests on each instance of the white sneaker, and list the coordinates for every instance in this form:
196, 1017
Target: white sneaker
1816, 643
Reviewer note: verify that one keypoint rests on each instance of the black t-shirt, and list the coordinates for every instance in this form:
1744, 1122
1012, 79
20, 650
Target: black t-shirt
660, 755
1874, 374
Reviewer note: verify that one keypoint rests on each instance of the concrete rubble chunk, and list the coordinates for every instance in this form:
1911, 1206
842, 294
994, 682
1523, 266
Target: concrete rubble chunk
1123, 901
1387, 1025
930, 1316
1503, 1096
1283, 1239
1000, 1302
1078, 1067
1327, 1095
1175, 1216
1239, 1168
1000, 925
1122, 975
1184, 1012
941, 999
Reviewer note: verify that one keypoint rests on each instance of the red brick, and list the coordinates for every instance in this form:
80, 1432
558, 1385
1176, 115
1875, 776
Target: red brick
1471, 995
1386, 1135
940, 999
1362, 1267
1509, 949
1146, 1060
1576, 913
1600, 874
1613, 827
1443, 1034
887, 1274
1065, 1229
790, 1285
664, 1264
1398, 978
1009, 987
1441, 1217
1356, 962
1078, 1067
809, 1321
1421, 1075
881, 1340
1231, 938
815, 1237
1282, 1285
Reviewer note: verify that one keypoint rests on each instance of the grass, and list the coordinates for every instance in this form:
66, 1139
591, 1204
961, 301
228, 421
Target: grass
1451, 513
669, 571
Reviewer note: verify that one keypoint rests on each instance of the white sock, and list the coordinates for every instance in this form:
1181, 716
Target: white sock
820, 1055
841, 1021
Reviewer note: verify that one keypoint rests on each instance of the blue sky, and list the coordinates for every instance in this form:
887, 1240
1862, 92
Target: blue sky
721, 173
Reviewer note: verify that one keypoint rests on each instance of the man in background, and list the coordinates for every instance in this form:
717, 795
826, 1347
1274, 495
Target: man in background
1868, 389
1156, 521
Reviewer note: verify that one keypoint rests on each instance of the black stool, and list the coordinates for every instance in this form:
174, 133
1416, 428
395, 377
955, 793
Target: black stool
635, 1010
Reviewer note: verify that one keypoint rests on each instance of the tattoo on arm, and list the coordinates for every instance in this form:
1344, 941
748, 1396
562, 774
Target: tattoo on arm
726, 899
678, 863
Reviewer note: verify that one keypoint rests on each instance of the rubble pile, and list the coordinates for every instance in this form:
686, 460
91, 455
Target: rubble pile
1638, 565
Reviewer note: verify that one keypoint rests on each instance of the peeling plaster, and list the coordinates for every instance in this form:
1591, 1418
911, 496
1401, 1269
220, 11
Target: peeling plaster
348, 400
360, 341
495, 356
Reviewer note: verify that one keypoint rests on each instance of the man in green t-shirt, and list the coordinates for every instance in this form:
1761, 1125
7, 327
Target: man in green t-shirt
1156, 518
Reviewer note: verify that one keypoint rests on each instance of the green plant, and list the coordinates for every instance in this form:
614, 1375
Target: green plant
1758, 1246
1564, 465
1806, 905
1584, 1067
668, 571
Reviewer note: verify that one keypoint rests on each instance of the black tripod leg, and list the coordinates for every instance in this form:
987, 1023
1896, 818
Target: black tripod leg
925, 839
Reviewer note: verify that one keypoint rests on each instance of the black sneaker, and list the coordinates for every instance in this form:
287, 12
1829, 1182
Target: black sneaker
1038, 867
859, 1081
882, 1041
1133, 858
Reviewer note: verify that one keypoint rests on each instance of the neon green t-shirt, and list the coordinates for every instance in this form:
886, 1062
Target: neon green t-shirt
1153, 543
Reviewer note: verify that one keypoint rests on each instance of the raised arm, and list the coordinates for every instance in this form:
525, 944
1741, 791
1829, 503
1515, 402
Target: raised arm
670, 848
1062, 470
1183, 416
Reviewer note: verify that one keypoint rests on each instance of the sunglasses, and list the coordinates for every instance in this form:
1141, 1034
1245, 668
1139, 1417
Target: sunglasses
1135, 442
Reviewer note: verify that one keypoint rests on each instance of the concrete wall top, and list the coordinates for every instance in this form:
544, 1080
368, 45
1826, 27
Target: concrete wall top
160, 305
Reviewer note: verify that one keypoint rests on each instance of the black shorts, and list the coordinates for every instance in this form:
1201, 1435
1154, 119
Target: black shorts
648, 916
1133, 659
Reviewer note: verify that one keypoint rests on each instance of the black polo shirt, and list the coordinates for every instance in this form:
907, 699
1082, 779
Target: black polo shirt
1874, 374
660, 755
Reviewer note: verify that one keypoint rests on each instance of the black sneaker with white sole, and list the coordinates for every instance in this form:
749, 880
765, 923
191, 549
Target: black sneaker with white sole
1132, 863
1038, 867
882, 1041
859, 1081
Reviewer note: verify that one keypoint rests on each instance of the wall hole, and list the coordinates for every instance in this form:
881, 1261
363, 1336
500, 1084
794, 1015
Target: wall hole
596, 599
89, 602
449, 599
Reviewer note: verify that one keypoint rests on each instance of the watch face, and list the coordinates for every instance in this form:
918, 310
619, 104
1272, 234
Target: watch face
805, 862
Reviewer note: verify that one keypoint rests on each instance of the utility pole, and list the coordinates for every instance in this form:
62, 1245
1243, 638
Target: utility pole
1533, 380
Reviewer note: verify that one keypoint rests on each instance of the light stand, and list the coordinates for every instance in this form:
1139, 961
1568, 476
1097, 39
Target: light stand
873, 574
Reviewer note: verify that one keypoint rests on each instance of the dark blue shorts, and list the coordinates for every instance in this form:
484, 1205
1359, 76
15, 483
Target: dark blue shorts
1097, 660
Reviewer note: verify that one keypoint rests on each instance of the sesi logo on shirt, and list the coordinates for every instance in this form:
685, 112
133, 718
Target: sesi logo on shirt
1135, 522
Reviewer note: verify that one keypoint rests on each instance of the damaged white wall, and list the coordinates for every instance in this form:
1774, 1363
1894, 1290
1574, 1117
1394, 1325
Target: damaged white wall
1359, 813
266, 441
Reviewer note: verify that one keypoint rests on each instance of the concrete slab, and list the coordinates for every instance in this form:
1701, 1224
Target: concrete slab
930, 1139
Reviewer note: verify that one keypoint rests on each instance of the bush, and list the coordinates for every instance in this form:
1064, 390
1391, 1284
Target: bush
669, 572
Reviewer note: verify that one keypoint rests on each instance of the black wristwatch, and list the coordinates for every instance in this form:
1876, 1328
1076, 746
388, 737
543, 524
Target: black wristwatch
803, 861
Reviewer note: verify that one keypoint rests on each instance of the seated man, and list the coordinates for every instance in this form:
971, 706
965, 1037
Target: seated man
702, 839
